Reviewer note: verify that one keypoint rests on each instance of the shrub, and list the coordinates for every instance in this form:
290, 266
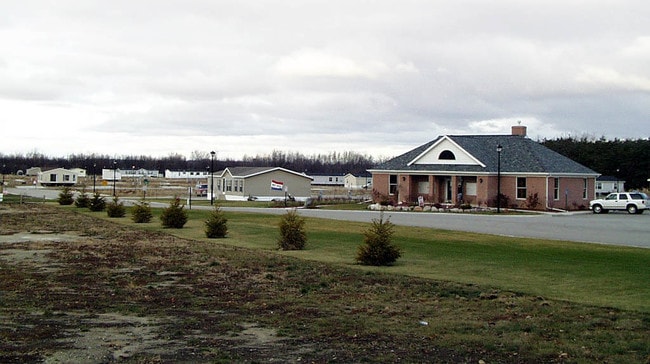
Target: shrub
377, 248
504, 200
216, 225
532, 201
115, 208
292, 232
175, 215
66, 196
97, 203
82, 200
141, 212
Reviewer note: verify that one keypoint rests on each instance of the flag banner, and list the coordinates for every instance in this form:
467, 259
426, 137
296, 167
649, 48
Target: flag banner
277, 185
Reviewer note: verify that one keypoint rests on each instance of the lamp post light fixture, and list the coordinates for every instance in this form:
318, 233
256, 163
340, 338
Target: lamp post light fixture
212, 153
114, 176
499, 150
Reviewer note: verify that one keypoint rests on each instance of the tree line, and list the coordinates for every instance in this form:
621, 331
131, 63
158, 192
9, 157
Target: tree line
626, 159
330, 163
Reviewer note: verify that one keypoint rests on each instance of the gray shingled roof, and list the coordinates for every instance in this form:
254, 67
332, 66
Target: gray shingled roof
243, 172
248, 171
519, 154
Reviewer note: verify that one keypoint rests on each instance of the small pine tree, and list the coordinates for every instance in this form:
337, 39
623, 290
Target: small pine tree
216, 225
97, 203
115, 208
66, 197
378, 248
82, 200
141, 212
292, 232
175, 215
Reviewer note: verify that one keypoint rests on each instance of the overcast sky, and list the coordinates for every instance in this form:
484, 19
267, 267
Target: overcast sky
246, 77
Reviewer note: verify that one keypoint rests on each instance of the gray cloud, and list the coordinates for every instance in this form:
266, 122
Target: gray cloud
154, 77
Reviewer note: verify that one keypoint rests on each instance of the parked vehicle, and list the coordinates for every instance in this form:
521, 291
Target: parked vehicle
632, 202
201, 190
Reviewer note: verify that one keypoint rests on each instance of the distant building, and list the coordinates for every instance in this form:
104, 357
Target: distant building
58, 177
79, 171
111, 174
608, 184
328, 179
353, 182
187, 174
261, 183
139, 173
33, 171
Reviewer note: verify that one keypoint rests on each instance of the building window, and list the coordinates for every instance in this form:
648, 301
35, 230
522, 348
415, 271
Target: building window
556, 188
584, 188
66, 178
228, 185
599, 186
447, 155
392, 184
521, 188
53, 177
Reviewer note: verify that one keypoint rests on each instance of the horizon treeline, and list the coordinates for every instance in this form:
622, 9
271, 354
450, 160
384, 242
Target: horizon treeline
627, 159
330, 163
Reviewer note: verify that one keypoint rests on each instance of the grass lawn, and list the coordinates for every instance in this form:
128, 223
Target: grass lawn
606, 276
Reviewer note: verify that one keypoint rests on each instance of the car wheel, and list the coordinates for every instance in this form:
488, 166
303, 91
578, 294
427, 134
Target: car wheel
631, 209
597, 209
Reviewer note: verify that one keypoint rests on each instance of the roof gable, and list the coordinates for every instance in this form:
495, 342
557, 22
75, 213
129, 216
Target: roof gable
247, 172
446, 152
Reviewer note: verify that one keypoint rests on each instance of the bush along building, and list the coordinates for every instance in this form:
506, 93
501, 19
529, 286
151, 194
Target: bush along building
472, 169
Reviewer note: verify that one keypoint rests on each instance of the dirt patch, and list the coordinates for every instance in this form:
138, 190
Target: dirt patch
80, 290
109, 337
36, 236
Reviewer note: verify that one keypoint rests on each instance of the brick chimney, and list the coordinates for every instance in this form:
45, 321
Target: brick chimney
519, 130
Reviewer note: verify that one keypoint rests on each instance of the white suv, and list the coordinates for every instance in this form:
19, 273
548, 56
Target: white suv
633, 202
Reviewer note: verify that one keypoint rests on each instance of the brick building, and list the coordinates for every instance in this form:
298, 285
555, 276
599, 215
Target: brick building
455, 169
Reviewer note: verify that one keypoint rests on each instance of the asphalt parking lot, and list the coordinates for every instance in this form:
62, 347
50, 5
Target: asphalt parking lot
613, 228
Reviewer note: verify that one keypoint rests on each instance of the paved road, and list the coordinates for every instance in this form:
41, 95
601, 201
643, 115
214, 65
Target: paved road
613, 228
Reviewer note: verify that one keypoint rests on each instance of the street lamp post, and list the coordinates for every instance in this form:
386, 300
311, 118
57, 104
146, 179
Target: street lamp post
212, 153
94, 176
499, 149
114, 176
3, 176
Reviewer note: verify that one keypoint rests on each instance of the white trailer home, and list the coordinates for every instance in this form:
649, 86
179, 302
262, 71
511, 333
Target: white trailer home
111, 174
58, 177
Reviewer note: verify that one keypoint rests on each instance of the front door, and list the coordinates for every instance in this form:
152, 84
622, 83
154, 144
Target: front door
449, 193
